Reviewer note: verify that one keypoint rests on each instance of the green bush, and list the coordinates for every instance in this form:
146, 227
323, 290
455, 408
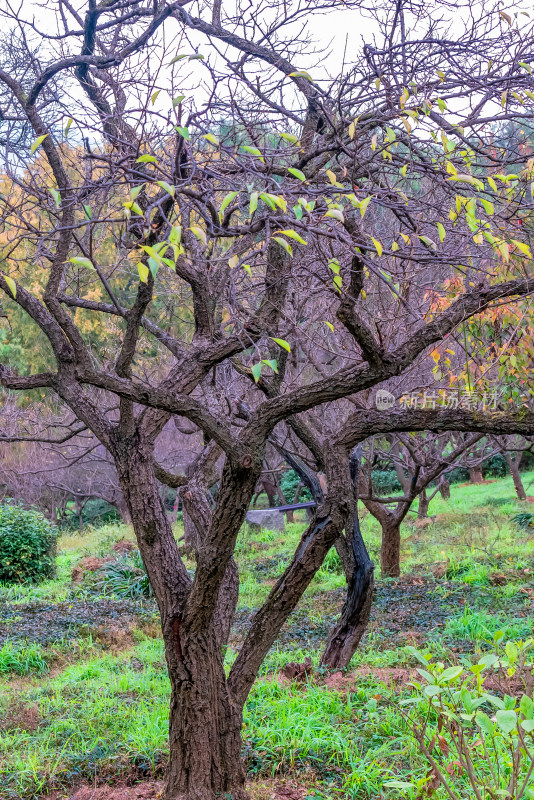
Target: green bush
289, 483
27, 545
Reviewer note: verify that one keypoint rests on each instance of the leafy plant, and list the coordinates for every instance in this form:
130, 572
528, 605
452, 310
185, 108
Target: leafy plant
523, 520
125, 578
27, 545
22, 659
476, 743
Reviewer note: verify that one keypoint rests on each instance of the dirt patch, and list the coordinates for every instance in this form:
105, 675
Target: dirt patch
143, 791
123, 547
88, 564
21, 717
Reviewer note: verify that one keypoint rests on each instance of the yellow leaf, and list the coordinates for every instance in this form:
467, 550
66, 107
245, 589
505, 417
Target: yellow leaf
329, 324
331, 176
233, 262
37, 142
378, 246
143, 271
11, 285
200, 233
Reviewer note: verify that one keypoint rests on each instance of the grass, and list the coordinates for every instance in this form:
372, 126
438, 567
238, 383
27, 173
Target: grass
103, 711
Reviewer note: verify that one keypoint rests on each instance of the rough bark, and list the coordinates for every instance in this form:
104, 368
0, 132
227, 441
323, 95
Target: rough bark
475, 474
205, 725
445, 489
390, 552
424, 502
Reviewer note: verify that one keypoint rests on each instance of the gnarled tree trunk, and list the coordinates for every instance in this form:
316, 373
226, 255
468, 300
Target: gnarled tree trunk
513, 466
359, 569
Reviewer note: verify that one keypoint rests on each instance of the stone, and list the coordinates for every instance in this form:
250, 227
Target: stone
268, 520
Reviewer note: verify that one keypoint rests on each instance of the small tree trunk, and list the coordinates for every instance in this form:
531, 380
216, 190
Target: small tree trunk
513, 466
424, 502
445, 489
390, 552
347, 634
475, 474
205, 725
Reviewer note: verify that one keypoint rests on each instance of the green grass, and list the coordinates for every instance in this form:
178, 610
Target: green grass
107, 712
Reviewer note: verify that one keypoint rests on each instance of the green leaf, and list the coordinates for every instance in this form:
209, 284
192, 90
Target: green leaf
147, 159
12, 286
153, 98
484, 723
398, 784
271, 362
284, 244
67, 126
418, 655
253, 151
177, 100
441, 231
200, 233
88, 212
487, 206
506, 720
429, 243
80, 261
175, 236
291, 234
256, 371
247, 269
227, 200
291, 138
282, 342
268, 200
528, 725
196, 57
135, 191
143, 271
184, 133
297, 173
253, 203
335, 213
37, 143
56, 194
168, 188
451, 673
179, 57
211, 139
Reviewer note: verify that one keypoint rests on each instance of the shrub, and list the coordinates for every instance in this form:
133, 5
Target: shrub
289, 483
385, 481
27, 545
476, 743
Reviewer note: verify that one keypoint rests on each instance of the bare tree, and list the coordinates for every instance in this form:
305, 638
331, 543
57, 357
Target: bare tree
176, 259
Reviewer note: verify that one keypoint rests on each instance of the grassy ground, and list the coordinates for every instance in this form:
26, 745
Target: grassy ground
84, 693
